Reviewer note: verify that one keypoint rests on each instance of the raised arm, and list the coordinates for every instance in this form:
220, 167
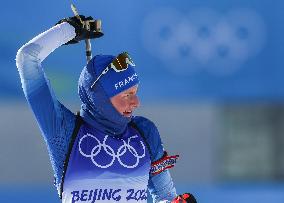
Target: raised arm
35, 85
55, 121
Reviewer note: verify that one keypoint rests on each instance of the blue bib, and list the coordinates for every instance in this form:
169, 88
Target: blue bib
103, 168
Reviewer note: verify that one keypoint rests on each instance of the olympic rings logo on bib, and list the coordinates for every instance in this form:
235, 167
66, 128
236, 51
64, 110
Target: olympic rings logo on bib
111, 152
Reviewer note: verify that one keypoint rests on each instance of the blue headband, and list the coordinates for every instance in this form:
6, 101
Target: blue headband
114, 82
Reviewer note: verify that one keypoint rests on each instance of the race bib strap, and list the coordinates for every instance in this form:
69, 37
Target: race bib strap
79, 121
164, 163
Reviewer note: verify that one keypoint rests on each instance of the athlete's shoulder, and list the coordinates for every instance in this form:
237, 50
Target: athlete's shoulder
143, 123
151, 134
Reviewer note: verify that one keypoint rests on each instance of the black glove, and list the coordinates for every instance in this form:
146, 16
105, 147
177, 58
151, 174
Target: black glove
185, 198
82, 32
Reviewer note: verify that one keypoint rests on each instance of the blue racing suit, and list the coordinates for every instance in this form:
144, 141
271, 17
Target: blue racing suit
57, 123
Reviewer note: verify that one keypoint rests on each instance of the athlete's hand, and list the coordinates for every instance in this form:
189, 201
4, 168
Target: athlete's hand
184, 198
84, 28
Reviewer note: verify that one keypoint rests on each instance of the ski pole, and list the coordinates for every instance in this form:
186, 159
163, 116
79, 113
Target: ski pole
86, 24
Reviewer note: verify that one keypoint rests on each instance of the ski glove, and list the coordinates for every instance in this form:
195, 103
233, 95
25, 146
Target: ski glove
184, 198
85, 30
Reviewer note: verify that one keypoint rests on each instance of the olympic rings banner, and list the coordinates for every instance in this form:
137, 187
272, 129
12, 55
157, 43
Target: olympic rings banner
201, 50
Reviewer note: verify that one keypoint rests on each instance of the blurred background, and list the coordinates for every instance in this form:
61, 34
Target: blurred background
211, 79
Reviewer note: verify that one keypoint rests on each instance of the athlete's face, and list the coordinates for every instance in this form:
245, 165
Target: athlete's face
126, 102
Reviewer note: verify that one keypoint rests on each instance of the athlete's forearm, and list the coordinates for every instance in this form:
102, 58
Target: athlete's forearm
161, 187
48, 41
30, 56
